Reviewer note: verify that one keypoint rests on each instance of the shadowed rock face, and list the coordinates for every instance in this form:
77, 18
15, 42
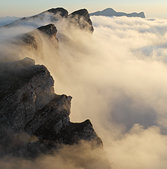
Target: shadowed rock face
31, 112
24, 89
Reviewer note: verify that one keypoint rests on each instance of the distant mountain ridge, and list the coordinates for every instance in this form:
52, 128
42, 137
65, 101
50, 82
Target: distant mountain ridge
111, 12
7, 20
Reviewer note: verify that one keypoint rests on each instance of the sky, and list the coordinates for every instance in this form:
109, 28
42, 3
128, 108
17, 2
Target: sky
152, 8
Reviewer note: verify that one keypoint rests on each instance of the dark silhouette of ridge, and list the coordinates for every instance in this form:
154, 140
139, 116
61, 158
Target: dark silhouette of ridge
111, 12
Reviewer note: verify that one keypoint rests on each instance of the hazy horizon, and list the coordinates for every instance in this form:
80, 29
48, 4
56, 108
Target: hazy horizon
19, 8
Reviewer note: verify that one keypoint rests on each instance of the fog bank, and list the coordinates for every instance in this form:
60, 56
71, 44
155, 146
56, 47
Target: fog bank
118, 79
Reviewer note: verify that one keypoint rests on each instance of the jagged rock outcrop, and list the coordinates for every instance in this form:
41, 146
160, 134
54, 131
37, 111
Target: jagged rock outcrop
111, 12
59, 11
22, 93
82, 19
31, 39
50, 30
33, 119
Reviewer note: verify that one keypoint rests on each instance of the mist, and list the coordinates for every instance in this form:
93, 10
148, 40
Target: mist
117, 77
73, 157
7, 20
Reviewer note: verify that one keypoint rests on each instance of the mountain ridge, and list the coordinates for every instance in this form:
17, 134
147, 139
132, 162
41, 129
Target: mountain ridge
28, 104
79, 18
111, 12
34, 120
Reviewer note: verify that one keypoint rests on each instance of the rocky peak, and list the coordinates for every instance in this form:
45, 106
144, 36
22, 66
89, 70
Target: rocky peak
109, 10
81, 12
49, 30
60, 11
30, 39
142, 15
82, 19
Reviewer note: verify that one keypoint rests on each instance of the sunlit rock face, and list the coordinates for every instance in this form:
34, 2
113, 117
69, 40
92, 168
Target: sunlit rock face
30, 109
